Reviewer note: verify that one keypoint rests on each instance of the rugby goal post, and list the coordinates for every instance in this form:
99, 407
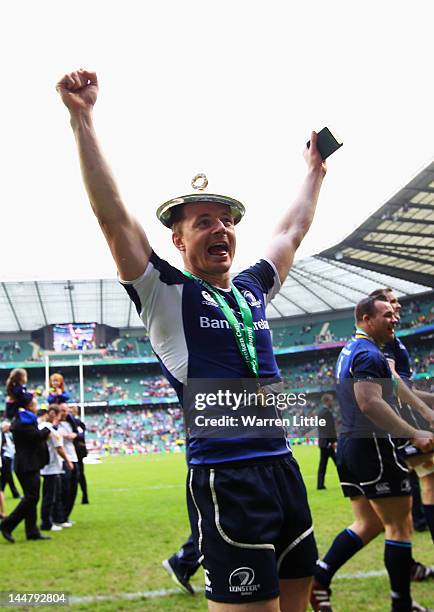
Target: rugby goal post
59, 359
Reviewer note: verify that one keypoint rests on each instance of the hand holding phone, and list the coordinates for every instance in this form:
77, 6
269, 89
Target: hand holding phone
326, 143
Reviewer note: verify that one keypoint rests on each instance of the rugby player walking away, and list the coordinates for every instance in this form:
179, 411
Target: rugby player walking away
378, 486
246, 499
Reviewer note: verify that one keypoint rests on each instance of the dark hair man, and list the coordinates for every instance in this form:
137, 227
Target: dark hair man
202, 325
369, 469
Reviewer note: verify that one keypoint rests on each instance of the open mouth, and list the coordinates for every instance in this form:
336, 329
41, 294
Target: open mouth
218, 248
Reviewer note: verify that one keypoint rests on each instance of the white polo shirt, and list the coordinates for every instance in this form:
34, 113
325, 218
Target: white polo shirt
55, 465
68, 445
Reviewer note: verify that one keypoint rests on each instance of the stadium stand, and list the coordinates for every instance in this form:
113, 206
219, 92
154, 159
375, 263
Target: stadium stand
145, 431
15, 350
129, 346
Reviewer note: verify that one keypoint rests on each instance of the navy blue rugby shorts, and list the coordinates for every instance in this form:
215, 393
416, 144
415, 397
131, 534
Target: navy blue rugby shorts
252, 525
372, 467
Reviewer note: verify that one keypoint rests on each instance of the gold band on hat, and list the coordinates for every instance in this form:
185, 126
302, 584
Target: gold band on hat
199, 183
196, 184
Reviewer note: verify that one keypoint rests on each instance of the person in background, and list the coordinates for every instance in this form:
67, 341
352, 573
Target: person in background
183, 564
16, 392
58, 393
2, 497
81, 450
31, 455
7, 457
51, 472
70, 477
327, 439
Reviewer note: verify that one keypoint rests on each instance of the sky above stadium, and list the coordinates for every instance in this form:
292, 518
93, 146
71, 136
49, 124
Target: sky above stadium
229, 88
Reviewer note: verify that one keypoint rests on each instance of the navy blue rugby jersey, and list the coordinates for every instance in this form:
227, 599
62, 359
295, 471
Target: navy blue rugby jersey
361, 359
396, 350
192, 339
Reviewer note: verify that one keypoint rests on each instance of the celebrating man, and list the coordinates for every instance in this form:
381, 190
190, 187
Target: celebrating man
246, 498
371, 474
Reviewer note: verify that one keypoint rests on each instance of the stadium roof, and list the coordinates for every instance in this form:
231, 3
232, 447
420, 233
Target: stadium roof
398, 239
315, 284
394, 247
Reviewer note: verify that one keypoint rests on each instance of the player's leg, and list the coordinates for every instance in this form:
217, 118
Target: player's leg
322, 467
427, 481
367, 524
395, 514
419, 520
365, 527
183, 564
296, 552
427, 484
294, 594
2, 506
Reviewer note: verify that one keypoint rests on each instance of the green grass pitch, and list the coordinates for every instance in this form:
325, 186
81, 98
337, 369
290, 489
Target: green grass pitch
137, 517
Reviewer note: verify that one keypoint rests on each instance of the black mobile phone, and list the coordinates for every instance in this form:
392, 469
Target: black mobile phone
326, 143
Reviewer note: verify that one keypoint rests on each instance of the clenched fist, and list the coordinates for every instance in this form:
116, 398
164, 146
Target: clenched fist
78, 90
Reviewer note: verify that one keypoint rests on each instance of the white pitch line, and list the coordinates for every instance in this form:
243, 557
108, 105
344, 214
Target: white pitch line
124, 596
361, 575
150, 488
167, 592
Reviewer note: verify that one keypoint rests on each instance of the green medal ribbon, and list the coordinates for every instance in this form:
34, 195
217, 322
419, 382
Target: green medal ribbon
244, 336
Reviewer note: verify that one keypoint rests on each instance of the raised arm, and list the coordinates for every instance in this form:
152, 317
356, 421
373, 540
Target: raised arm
297, 220
125, 236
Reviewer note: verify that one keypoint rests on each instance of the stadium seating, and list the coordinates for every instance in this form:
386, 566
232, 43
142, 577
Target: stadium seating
417, 312
131, 346
130, 432
342, 329
15, 350
311, 375
136, 345
296, 335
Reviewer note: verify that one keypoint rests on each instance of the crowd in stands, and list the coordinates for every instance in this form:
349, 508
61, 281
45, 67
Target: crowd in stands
423, 363
162, 430
312, 374
127, 387
413, 315
10, 351
137, 432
